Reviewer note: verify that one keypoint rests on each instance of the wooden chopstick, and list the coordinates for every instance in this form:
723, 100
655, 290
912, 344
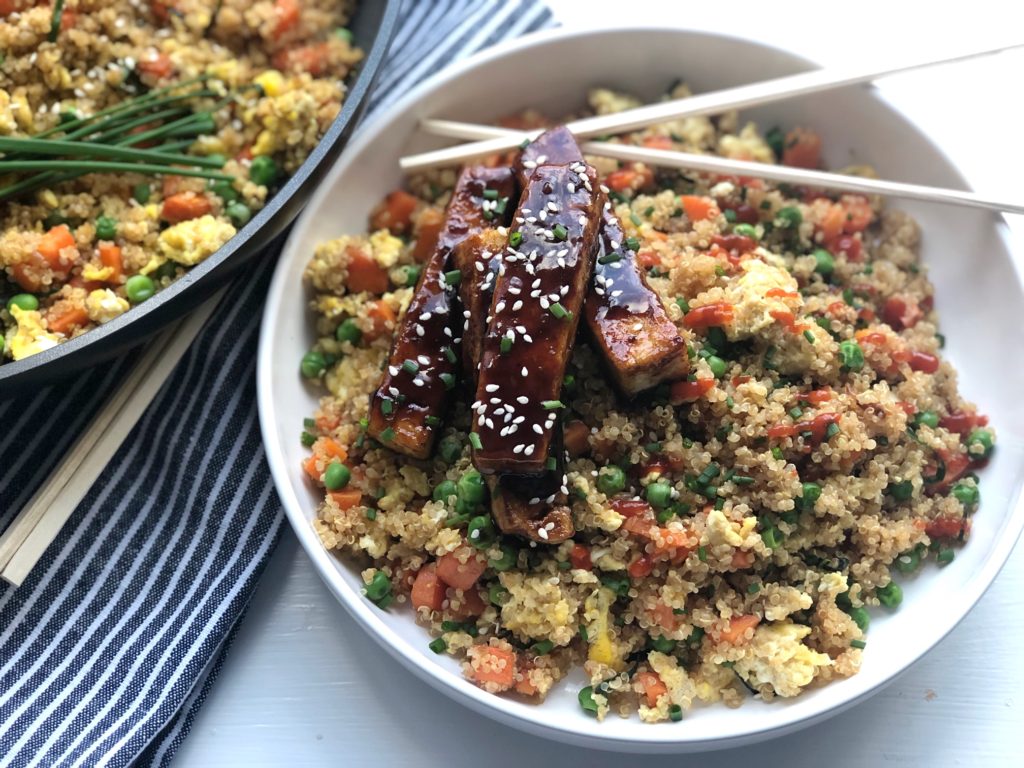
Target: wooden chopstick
37, 525
716, 102
665, 158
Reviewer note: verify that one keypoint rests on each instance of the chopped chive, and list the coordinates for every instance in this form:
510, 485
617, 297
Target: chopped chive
583, 634
490, 194
702, 553
411, 367
809, 336
448, 379
515, 239
777, 453
308, 439
450, 354
559, 232
474, 440
753, 589
387, 435
432, 421
438, 645
551, 464
683, 304
387, 406
675, 713
633, 243
649, 211
831, 431
543, 647
501, 205
506, 345
795, 412
609, 258
742, 479
558, 310
858, 644
454, 277
552, 405
637, 221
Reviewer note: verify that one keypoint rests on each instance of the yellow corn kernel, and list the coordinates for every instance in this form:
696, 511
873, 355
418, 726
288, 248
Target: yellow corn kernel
271, 81
265, 144
47, 198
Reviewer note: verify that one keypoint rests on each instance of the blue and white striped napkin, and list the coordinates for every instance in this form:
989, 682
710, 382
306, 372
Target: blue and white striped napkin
109, 647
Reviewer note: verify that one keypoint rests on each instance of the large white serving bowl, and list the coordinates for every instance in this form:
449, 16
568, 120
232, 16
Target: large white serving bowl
978, 296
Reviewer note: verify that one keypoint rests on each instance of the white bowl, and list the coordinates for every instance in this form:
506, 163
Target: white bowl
978, 294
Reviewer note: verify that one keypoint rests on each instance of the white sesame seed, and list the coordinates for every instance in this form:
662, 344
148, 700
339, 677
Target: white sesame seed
495, 400
393, 370
538, 429
529, 450
522, 400
524, 371
492, 387
518, 449
543, 534
423, 360
419, 330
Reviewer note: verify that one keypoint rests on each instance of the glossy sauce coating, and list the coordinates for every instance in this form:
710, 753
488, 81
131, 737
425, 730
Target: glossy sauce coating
406, 411
628, 324
477, 258
543, 279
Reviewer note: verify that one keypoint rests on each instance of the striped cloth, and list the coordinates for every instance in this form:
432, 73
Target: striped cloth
109, 648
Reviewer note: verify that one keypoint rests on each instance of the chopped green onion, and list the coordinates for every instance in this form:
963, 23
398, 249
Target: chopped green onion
515, 239
411, 367
453, 277
552, 405
559, 232
438, 645
474, 440
558, 310
858, 644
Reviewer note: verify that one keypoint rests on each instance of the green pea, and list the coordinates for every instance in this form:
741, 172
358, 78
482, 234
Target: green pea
810, 493
508, 559
790, 216
825, 264
138, 288
891, 595
336, 476
349, 331
141, 193
106, 228
927, 419
263, 170
379, 588
23, 301
659, 494
471, 487
718, 366
313, 364
450, 450
611, 480
860, 617
746, 230
908, 562
968, 495
852, 355
224, 190
239, 214
663, 644
980, 438
497, 594
444, 490
480, 532
410, 274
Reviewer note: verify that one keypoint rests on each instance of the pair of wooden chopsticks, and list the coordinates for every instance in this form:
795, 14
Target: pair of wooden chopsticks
493, 139
38, 524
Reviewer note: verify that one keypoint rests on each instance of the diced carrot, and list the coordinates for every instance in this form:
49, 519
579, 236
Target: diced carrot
394, 212
802, 149
719, 313
471, 604
640, 568
58, 242
110, 256
626, 179
428, 590
857, 213
66, 319
286, 15
742, 559
310, 466
185, 206
632, 507
735, 631
962, 422
818, 396
653, 687
458, 574
328, 446
956, 463
580, 557
688, 391
831, 224
313, 58
698, 208
347, 498
162, 9
382, 318
523, 684
428, 230
648, 258
734, 243
576, 435
665, 617
493, 665
658, 142
364, 274
158, 66
7, 7
848, 244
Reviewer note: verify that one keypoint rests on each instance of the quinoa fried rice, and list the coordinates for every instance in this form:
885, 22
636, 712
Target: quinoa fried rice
732, 528
77, 254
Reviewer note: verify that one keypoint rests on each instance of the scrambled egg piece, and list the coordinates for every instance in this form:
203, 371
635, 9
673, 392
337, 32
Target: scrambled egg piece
777, 656
192, 241
30, 338
603, 648
103, 305
98, 274
752, 308
386, 248
747, 145
722, 530
536, 608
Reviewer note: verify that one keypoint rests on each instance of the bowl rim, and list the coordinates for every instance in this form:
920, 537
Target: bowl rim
523, 716
18, 373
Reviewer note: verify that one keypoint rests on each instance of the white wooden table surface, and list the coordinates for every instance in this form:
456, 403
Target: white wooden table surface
305, 686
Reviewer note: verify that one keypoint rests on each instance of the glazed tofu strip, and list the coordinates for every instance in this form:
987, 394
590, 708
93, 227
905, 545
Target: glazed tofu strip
628, 324
477, 258
543, 279
406, 410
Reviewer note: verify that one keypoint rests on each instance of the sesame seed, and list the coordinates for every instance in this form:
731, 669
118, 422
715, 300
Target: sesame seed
524, 371
529, 450
518, 449
538, 429
492, 387
542, 533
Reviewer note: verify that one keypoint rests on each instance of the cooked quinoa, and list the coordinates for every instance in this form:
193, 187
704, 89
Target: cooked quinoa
732, 529
78, 253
